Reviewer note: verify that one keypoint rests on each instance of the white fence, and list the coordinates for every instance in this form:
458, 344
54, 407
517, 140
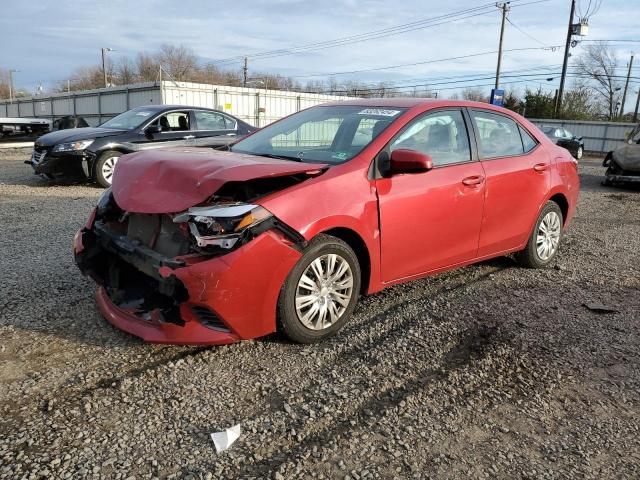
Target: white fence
598, 136
256, 106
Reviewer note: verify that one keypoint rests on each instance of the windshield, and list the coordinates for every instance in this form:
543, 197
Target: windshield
129, 120
326, 134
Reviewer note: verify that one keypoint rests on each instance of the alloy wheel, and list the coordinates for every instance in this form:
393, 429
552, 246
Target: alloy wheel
108, 167
324, 291
548, 237
579, 153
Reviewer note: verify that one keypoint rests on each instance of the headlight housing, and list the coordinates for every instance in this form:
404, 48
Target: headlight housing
72, 146
222, 224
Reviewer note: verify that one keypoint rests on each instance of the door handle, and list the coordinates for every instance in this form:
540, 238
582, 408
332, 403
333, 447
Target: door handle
189, 137
231, 134
473, 180
541, 167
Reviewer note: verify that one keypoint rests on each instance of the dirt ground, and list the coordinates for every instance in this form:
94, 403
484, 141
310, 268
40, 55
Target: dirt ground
490, 371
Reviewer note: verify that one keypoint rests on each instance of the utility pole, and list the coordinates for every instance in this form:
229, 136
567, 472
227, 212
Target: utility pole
565, 62
104, 68
11, 72
635, 112
626, 86
245, 71
505, 8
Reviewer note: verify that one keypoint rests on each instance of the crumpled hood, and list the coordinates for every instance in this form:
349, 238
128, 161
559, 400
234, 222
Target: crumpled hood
172, 180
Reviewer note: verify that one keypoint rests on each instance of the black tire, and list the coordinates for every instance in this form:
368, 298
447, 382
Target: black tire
529, 257
100, 176
289, 322
579, 153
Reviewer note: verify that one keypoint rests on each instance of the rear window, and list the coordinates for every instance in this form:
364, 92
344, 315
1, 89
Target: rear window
499, 135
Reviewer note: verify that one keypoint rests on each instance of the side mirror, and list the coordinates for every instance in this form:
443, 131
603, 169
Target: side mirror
152, 129
409, 161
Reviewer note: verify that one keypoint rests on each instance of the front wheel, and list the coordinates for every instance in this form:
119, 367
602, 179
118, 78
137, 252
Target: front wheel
579, 153
321, 291
545, 239
105, 166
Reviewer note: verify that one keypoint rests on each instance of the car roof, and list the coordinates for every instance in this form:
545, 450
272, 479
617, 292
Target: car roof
411, 102
159, 108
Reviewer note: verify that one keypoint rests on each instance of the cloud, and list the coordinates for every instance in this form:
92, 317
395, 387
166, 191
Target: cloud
50, 38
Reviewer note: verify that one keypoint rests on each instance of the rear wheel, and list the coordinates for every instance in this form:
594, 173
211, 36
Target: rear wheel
321, 291
545, 239
105, 166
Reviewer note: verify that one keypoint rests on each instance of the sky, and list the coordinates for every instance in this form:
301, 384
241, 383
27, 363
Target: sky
46, 40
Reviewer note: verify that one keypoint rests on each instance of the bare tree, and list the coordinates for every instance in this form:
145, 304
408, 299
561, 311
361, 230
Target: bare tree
126, 71
598, 64
147, 67
474, 95
178, 61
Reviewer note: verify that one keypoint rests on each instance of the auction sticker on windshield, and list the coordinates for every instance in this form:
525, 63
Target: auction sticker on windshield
379, 111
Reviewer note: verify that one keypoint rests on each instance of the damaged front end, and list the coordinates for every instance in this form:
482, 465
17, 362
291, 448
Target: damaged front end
207, 275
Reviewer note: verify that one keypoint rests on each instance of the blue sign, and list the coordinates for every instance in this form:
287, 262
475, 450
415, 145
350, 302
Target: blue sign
497, 97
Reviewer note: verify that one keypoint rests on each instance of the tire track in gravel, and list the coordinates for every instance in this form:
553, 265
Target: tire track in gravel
454, 357
472, 344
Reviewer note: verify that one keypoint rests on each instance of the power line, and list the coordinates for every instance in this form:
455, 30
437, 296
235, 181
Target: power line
484, 9
525, 33
389, 67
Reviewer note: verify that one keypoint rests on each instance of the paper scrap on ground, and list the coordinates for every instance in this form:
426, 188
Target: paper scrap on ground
223, 440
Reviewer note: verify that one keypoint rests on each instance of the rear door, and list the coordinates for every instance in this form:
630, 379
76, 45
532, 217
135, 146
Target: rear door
431, 220
214, 129
517, 180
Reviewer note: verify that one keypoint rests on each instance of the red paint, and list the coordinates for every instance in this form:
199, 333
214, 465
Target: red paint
241, 288
411, 224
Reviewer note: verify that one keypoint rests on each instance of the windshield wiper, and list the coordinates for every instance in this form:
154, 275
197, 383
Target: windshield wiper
281, 157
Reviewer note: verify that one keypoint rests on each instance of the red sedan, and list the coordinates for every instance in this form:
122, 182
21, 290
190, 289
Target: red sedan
285, 231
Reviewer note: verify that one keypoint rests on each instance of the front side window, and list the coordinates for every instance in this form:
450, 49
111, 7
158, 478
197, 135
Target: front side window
499, 135
212, 121
173, 122
330, 134
441, 135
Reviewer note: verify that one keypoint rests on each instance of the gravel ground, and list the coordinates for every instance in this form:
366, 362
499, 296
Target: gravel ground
490, 371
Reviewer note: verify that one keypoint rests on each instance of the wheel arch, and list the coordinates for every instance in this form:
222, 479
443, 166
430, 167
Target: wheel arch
561, 200
358, 245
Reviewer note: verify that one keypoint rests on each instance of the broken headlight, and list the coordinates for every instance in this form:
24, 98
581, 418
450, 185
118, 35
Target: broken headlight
222, 225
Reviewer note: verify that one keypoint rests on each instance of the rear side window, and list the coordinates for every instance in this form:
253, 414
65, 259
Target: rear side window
441, 135
210, 121
499, 135
528, 141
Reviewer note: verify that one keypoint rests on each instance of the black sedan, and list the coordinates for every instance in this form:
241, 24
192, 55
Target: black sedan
91, 153
564, 138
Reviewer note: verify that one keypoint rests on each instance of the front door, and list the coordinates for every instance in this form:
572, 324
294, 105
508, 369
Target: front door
176, 131
431, 220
